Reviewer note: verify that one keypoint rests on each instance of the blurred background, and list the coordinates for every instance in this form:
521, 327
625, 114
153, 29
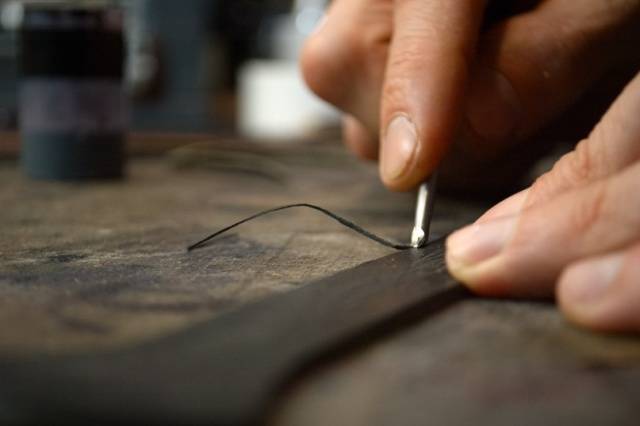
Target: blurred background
202, 66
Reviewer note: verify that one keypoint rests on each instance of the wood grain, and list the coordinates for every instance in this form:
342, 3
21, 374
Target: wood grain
98, 272
226, 371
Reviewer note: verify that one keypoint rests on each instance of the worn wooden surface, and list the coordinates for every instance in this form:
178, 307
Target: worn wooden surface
104, 264
90, 267
229, 370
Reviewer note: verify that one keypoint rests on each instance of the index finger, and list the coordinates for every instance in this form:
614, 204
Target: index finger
431, 51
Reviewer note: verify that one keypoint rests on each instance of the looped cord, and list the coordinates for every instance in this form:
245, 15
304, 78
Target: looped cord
360, 230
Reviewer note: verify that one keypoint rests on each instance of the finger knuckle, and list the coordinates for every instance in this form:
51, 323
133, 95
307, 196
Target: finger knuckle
331, 63
406, 56
590, 210
320, 67
572, 170
412, 60
578, 165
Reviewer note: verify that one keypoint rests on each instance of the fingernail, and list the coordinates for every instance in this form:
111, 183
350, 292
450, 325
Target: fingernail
479, 242
588, 282
493, 108
398, 148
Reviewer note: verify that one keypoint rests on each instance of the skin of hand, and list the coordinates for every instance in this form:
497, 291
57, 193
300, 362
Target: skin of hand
575, 231
418, 77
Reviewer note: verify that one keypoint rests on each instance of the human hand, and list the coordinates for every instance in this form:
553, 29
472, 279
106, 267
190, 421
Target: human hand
418, 74
576, 230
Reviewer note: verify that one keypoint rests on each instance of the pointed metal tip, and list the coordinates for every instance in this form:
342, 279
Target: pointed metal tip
418, 238
424, 211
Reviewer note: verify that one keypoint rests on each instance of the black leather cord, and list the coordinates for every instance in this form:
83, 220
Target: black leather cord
360, 230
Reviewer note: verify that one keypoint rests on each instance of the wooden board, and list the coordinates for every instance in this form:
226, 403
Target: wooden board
102, 267
227, 371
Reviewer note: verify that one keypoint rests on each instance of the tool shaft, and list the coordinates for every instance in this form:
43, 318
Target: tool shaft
424, 211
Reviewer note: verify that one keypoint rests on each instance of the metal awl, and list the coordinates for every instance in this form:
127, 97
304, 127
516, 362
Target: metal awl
424, 211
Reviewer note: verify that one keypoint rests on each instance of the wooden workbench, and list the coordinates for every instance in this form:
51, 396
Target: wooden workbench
91, 267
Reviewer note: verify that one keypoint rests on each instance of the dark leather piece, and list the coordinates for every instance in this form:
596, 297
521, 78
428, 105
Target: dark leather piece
227, 371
